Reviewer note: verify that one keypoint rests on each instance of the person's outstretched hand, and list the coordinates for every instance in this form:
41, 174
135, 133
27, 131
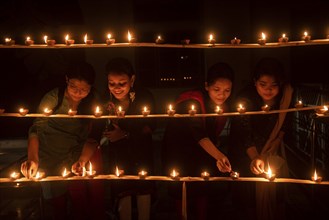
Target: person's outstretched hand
78, 167
115, 134
224, 165
29, 168
257, 166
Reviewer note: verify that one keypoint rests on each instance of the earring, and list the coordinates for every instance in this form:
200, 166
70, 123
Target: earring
132, 94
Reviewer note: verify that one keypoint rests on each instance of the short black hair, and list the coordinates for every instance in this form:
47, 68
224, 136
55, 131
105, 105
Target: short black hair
81, 70
120, 65
220, 70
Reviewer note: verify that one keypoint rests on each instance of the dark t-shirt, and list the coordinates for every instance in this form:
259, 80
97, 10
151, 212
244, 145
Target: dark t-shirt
60, 139
251, 130
135, 152
181, 149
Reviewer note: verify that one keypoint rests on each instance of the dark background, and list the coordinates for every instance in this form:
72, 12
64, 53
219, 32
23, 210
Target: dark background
26, 74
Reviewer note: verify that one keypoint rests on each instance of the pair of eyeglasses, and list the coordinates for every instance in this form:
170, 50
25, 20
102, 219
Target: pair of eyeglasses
76, 89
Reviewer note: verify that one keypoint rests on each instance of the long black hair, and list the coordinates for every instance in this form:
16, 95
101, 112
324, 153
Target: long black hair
81, 70
120, 65
219, 70
270, 66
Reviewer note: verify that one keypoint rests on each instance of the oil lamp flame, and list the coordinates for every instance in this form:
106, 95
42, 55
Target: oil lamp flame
142, 174
85, 38
117, 171
90, 168
84, 171
14, 175
269, 175
174, 174
263, 36
205, 175
39, 175
129, 36
269, 172
65, 173
316, 177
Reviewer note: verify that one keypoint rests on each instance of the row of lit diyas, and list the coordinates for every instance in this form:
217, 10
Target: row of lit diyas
171, 112
143, 175
306, 38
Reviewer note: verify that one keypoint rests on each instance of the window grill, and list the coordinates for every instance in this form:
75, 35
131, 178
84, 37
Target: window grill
309, 139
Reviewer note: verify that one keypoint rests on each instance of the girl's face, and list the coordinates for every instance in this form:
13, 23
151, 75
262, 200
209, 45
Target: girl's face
219, 91
77, 89
119, 84
267, 88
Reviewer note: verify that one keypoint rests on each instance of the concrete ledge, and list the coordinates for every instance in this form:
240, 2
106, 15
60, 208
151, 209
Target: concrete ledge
15, 143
